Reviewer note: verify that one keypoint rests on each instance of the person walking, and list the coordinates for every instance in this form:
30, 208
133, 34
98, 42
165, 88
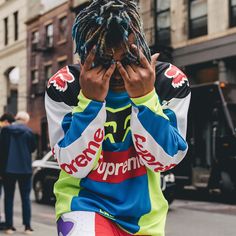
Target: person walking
5, 120
116, 120
17, 142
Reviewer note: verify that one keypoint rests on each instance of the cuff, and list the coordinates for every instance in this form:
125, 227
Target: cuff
150, 101
84, 102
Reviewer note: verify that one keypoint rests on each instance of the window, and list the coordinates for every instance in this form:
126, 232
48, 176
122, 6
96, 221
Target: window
34, 40
49, 35
34, 81
61, 64
197, 18
6, 31
34, 77
16, 25
12, 102
232, 13
47, 72
163, 34
63, 28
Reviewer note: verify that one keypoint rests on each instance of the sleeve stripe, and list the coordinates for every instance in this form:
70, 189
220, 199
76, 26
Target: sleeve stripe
164, 134
179, 106
55, 114
80, 121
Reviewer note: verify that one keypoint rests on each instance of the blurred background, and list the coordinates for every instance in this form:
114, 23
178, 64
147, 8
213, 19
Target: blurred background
198, 36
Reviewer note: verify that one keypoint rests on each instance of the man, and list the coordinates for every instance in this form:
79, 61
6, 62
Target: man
5, 120
17, 143
116, 121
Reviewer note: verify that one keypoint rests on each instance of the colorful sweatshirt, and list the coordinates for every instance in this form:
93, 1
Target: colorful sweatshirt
111, 153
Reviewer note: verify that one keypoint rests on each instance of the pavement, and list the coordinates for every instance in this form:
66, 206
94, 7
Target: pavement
40, 229
43, 218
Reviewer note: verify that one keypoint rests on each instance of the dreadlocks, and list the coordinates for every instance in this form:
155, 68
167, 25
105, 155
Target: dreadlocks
108, 24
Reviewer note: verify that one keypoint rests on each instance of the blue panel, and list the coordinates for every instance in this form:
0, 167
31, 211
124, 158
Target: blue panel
123, 200
117, 99
80, 121
118, 147
172, 117
162, 131
66, 122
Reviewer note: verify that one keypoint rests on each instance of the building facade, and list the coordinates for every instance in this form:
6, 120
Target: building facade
199, 36
13, 77
196, 35
49, 48
207, 50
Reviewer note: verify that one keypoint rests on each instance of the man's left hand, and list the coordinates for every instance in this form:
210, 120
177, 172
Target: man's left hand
139, 79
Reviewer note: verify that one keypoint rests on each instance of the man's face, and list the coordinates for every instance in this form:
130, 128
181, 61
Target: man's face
5, 123
119, 54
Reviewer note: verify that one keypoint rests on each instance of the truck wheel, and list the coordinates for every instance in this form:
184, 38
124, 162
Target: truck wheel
226, 185
169, 196
38, 191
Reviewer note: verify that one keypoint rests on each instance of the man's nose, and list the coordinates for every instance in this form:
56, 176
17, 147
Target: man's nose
116, 74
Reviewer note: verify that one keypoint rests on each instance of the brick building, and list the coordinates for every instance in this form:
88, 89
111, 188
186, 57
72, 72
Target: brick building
49, 48
197, 35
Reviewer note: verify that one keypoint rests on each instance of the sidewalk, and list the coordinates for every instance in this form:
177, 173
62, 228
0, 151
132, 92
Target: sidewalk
42, 218
39, 229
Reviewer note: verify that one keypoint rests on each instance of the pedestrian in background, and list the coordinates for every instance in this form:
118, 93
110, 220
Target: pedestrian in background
5, 120
17, 142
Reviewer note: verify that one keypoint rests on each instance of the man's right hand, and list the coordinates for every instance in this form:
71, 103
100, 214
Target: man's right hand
94, 82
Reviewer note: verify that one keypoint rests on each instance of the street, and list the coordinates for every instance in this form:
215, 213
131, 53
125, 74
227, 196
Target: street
195, 218
186, 217
43, 220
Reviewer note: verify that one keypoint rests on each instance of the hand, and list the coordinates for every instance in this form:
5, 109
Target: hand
139, 79
94, 82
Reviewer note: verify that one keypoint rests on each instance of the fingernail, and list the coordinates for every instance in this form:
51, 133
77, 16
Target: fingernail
94, 48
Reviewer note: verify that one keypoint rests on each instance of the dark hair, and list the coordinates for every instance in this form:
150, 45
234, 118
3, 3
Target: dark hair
106, 23
7, 117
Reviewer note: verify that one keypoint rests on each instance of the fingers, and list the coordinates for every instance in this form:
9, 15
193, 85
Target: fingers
154, 60
130, 70
123, 72
143, 60
99, 70
109, 73
90, 58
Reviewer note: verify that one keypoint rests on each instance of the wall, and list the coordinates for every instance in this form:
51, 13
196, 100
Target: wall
13, 54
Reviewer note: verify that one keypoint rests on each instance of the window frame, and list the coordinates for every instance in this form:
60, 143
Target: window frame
192, 33
62, 37
157, 34
6, 31
232, 18
46, 66
34, 44
49, 39
16, 25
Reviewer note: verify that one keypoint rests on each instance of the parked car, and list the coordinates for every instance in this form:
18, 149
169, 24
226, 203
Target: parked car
46, 172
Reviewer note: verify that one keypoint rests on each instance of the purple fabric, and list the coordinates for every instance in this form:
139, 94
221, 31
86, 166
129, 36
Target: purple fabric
64, 227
